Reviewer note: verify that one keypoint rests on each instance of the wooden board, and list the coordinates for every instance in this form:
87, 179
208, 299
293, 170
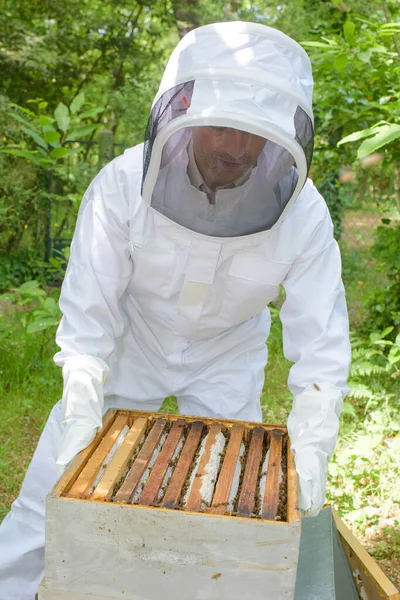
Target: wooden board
371, 582
175, 487
111, 548
207, 421
292, 488
156, 478
141, 462
115, 470
88, 475
226, 476
248, 492
76, 467
195, 499
45, 593
271, 496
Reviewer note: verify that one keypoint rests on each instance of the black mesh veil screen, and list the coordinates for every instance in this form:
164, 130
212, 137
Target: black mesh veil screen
172, 104
304, 134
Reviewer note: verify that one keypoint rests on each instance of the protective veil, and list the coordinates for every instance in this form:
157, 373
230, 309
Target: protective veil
180, 245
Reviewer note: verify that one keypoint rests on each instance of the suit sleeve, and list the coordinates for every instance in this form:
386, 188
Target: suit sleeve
314, 315
98, 272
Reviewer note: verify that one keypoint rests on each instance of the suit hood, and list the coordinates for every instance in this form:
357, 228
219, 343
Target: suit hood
239, 75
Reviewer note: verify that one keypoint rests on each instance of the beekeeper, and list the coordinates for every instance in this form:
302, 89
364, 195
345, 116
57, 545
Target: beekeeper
180, 245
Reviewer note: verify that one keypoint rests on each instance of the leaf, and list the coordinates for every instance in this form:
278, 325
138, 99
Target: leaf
386, 331
92, 112
348, 409
389, 29
329, 41
357, 135
31, 287
43, 104
43, 120
51, 136
81, 132
348, 30
393, 358
52, 306
31, 156
41, 324
74, 198
60, 152
61, 115
316, 45
22, 120
77, 103
365, 56
359, 390
385, 135
36, 137
390, 25
340, 62
23, 109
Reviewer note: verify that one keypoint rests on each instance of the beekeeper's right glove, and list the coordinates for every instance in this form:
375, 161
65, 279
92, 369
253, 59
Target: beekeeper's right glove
313, 427
82, 405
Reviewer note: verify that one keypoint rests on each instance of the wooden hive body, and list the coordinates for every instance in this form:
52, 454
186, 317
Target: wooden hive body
164, 506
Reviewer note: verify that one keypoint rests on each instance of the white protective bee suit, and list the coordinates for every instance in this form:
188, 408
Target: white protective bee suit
166, 293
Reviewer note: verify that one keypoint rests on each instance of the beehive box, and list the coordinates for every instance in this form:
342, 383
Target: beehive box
176, 508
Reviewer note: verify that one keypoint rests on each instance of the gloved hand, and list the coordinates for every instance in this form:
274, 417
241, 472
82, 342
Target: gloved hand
313, 427
82, 405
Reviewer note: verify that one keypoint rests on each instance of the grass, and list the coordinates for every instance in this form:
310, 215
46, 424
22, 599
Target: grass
30, 384
364, 483
359, 272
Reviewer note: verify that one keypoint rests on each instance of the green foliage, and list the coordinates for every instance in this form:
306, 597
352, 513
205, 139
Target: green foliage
28, 309
18, 267
379, 135
384, 303
59, 168
363, 475
276, 399
30, 383
97, 65
51, 50
375, 369
327, 181
354, 101
357, 101
50, 135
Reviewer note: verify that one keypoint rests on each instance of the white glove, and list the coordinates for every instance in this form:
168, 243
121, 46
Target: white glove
313, 427
82, 405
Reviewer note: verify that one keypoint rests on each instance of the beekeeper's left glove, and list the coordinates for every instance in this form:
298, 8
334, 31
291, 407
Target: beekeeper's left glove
82, 405
313, 427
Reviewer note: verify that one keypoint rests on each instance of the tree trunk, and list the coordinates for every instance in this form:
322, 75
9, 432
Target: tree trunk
187, 15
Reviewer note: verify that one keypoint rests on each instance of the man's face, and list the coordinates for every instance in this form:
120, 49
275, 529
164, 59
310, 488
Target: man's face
224, 154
